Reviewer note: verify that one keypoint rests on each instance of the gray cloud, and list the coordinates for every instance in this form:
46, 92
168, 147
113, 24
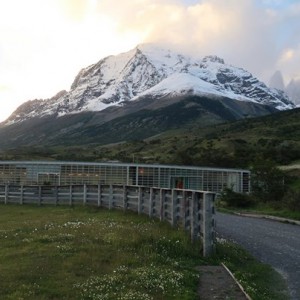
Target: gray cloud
256, 37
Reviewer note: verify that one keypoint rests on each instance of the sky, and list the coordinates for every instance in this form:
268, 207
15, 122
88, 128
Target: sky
44, 44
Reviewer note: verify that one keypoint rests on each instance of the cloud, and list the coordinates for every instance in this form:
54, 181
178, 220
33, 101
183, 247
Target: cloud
43, 44
244, 33
289, 61
251, 33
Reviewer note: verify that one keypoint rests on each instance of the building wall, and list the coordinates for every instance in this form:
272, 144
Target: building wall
66, 173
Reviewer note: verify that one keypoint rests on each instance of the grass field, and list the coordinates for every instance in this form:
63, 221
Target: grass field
86, 253
50, 252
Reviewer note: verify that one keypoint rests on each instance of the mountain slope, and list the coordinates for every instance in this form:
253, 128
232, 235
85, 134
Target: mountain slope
232, 144
292, 89
116, 125
138, 94
149, 71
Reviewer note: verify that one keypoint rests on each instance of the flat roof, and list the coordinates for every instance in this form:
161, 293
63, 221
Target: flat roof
117, 164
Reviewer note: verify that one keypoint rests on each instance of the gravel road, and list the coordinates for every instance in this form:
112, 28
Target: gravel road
272, 242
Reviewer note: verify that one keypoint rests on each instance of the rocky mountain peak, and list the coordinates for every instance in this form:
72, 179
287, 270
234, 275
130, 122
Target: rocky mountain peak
276, 81
152, 72
214, 59
293, 90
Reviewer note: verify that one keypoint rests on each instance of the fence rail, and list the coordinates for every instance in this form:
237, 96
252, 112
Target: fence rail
192, 210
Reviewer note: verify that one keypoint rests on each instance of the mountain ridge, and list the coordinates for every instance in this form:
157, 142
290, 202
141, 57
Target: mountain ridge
113, 125
138, 94
292, 89
151, 71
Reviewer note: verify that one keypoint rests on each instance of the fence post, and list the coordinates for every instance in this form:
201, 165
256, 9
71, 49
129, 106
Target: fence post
185, 209
110, 197
21, 194
173, 201
6, 193
192, 217
125, 198
161, 204
140, 193
40, 195
56, 194
84, 194
208, 224
151, 202
70, 196
99, 195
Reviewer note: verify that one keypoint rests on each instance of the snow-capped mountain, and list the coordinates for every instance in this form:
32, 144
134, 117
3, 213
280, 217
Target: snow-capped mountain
150, 71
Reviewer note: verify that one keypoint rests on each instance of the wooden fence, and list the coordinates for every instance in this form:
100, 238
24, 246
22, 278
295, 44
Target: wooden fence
192, 210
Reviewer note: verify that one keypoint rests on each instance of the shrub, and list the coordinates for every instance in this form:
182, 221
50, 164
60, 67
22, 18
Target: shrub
268, 182
233, 199
292, 200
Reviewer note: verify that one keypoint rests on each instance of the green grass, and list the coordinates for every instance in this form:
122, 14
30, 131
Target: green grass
268, 209
86, 253
295, 185
265, 209
259, 280
89, 253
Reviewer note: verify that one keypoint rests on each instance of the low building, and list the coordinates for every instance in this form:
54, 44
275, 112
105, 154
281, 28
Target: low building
165, 176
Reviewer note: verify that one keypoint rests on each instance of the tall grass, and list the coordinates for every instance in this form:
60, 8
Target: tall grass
89, 253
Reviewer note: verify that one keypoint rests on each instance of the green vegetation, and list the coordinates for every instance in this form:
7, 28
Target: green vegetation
84, 253
263, 209
235, 144
89, 253
274, 192
259, 280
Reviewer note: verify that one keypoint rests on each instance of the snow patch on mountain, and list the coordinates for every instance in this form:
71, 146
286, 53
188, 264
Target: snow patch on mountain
188, 84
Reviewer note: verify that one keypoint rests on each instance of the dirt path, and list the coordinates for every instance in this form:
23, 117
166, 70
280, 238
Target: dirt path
217, 284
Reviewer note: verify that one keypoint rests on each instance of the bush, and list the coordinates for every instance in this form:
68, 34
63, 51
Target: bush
233, 199
267, 181
292, 200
